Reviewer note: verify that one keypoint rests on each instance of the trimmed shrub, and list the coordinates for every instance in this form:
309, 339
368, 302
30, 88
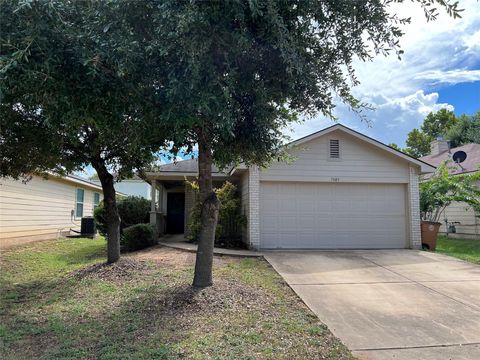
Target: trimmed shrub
230, 218
99, 216
194, 220
228, 233
137, 237
132, 210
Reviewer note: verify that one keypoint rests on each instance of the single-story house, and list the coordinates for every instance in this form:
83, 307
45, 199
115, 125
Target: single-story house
343, 190
44, 208
463, 217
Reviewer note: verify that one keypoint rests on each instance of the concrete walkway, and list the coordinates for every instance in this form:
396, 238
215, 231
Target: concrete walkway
178, 242
390, 304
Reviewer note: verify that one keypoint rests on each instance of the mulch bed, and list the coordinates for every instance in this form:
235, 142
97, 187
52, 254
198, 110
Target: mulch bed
125, 268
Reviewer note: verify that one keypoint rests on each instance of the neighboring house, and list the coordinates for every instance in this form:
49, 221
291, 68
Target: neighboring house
44, 208
131, 187
461, 215
342, 190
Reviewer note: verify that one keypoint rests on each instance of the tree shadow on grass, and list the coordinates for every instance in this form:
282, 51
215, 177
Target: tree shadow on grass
127, 328
151, 317
123, 308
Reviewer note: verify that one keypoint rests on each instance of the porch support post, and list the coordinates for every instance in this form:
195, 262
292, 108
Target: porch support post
160, 199
153, 196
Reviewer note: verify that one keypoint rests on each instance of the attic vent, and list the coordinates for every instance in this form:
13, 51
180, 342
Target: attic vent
334, 149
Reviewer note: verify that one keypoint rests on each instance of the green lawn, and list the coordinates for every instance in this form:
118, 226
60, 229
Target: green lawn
465, 249
59, 302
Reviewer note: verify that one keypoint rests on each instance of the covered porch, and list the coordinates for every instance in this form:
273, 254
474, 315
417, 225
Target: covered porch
171, 197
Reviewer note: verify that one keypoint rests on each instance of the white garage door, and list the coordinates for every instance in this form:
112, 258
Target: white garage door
332, 215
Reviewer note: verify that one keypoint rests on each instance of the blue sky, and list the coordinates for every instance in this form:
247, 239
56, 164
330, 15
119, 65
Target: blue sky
465, 97
440, 69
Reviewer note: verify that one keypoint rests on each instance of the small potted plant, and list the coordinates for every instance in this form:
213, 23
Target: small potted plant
440, 190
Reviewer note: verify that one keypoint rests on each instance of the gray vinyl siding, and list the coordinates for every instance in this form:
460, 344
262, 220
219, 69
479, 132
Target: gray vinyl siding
359, 162
469, 223
40, 209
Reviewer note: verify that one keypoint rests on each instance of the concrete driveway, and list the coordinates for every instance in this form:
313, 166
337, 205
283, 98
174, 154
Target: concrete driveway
390, 304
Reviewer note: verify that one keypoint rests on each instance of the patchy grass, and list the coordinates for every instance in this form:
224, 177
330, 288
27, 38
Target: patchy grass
465, 249
58, 301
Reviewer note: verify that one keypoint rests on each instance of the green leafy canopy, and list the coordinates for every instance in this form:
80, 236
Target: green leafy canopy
443, 123
441, 189
236, 73
112, 81
73, 89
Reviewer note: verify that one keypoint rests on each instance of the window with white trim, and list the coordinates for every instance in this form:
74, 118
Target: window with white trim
79, 199
334, 149
96, 199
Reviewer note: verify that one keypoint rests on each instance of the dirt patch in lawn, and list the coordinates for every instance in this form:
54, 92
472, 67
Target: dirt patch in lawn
144, 307
166, 256
125, 268
223, 295
178, 258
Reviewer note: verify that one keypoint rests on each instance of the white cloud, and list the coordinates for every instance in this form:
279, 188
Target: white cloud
437, 49
177, 158
159, 161
391, 120
472, 42
439, 53
449, 77
86, 172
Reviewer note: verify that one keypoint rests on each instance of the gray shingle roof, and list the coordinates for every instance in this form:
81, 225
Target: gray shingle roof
471, 163
187, 166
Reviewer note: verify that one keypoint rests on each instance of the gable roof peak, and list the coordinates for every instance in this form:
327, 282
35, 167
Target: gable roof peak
424, 166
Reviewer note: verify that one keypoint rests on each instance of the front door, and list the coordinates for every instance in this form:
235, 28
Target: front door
175, 213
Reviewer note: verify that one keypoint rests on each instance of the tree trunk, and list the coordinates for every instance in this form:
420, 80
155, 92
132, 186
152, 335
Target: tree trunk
209, 215
112, 217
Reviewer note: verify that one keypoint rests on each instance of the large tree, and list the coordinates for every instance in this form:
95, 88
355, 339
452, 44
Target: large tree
465, 131
229, 75
237, 72
73, 94
443, 123
434, 125
418, 143
438, 123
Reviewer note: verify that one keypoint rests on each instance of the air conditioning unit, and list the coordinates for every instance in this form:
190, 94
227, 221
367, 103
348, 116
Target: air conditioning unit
87, 228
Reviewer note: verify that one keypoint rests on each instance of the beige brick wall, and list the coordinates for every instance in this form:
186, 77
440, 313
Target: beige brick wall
414, 209
254, 207
244, 204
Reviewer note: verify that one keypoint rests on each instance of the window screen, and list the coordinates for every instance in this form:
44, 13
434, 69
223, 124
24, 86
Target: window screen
79, 203
96, 199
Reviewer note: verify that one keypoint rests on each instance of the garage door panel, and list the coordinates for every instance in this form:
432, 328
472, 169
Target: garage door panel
289, 223
269, 206
270, 223
287, 205
306, 222
308, 207
330, 215
270, 240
